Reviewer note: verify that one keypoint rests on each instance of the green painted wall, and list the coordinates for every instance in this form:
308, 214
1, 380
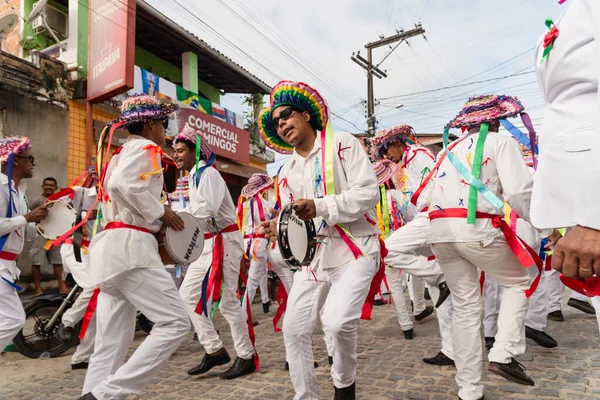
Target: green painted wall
209, 91
42, 40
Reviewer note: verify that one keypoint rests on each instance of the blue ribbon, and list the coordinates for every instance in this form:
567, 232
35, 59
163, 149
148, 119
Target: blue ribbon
466, 174
517, 134
199, 171
203, 296
543, 249
17, 287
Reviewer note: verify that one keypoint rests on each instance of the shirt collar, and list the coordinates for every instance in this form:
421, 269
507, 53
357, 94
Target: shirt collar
4, 181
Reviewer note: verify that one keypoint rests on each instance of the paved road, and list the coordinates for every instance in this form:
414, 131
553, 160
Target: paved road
389, 367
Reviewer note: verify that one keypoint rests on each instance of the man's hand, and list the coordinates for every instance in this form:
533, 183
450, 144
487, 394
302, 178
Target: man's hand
172, 220
305, 209
269, 229
577, 255
553, 239
38, 214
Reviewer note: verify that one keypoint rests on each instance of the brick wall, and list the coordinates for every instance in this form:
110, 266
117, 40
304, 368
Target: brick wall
11, 45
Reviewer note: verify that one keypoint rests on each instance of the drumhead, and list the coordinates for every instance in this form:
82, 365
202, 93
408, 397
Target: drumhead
61, 217
185, 246
296, 238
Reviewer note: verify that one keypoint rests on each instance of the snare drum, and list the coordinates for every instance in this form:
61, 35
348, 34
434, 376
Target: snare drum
297, 239
61, 218
182, 247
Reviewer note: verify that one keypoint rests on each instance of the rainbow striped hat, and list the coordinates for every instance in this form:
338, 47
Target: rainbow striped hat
141, 107
300, 96
487, 108
385, 170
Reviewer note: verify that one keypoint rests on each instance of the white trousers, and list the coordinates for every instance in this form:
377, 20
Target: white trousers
257, 274
416, 290
396, 281
230, 308
408, 250
555, 290
72, 316
12, 315
348, 288
286, 277
461, 263
153, 292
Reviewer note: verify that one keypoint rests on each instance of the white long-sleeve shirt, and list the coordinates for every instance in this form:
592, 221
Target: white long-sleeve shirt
503, 171
357, 195
133, 201
417, 162
566, 183
251, 227
15, 226
211, 200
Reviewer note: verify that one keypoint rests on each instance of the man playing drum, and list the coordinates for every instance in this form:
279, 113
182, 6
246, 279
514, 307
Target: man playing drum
220, 262
329, 178
125, 262
17, 164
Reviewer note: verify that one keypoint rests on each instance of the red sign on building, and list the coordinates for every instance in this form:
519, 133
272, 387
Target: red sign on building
111, 48
225, 140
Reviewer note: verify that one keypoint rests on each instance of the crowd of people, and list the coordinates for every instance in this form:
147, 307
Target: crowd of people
481, 225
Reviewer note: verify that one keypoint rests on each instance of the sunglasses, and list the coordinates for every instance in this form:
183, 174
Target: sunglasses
30, 158
284, 115
165, 124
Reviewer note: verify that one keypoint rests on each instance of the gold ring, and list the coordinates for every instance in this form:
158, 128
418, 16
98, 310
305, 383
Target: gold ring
585, 269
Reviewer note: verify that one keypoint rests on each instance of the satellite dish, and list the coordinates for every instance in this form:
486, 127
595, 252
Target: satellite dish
38, 9
7, 24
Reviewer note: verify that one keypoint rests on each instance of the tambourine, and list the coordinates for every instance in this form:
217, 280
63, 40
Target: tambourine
297, 239
181, 247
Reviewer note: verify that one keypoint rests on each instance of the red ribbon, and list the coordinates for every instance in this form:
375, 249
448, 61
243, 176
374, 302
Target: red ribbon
548, 262
5, 255
525, 254
550, 36
375, 283
589, 287
122, 225
60, 194
356, 252
282, 298
481, 282
89, 313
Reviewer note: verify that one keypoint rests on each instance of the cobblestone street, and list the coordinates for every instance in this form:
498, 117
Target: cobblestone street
389, 367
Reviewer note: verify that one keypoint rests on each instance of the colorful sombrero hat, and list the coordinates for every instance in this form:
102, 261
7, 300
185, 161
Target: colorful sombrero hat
14, 145
141, 107
299, 96
256, 184
385, 170
190, 135
488, 108
381, 141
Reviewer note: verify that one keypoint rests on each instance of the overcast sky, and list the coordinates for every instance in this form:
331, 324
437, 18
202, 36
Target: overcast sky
312, 41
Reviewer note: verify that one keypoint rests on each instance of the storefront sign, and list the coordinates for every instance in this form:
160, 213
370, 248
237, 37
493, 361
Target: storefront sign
111, 48
225, 140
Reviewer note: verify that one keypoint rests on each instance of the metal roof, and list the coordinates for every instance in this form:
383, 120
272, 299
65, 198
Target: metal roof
166, 39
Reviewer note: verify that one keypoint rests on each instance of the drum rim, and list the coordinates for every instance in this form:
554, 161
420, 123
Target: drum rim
288, 257
50, 204
167, 245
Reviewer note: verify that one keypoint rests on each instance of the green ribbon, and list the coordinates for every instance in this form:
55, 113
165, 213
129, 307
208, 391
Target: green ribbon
476, 171
385, 213
425, 170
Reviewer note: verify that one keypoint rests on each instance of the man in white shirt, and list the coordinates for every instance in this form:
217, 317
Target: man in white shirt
17, 164
408, 248
212, 205
329, 178
467, 233
255, 210
125, 263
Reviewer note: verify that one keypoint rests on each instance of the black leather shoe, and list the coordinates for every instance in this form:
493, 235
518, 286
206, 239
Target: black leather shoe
439, 359
210, 361
582, 306
81, 365
427, 295
409, 334
330, 360
379, 302
514, 371
424, 314
287, 365
87, 396
239, 368
64, 333
489, 343
266, 307
540, 337
556, 316
347, 393
444, 293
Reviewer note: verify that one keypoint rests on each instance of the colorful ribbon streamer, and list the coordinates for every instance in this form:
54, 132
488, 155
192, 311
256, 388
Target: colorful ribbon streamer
476, 171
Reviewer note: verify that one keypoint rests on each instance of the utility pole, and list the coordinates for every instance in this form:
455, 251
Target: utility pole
373, 70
